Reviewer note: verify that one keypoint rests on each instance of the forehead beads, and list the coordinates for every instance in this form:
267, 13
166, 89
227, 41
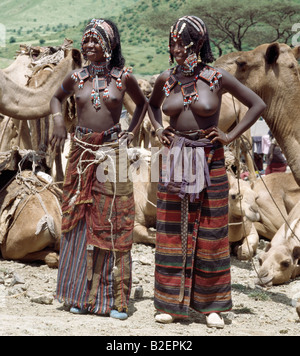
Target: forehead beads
103, 33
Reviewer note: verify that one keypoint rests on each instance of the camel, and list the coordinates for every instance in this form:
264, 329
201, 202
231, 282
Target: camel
242, 213
33, 68
25, 103
30, 214
283, 188
271, 70
145, 199
280, 261
15, 132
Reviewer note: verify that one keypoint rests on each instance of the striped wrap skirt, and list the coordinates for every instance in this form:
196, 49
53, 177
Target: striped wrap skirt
204, 261
106, 290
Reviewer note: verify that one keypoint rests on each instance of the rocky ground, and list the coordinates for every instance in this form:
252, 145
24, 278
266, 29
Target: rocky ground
27, 306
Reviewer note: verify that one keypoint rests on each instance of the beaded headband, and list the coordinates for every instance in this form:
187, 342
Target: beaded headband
93, 29
180, 25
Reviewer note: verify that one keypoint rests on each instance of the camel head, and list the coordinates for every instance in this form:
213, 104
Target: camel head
265, 69
242, 199
280, 262
145, 86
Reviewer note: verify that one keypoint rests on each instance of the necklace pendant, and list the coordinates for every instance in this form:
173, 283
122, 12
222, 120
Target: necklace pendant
169, 85
105, 94
95, 96
189, 92
99, 83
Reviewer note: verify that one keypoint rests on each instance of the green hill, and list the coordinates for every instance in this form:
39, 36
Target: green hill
143, 26
40, 22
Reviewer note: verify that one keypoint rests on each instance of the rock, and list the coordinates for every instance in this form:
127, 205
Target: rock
42, 299
145, 261
16, 279
298, 309
138, 293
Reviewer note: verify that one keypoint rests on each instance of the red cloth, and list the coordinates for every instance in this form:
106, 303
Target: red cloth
93, 205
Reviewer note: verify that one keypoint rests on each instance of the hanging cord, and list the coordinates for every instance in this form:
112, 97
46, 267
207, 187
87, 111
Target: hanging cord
265, 185
256, 168
100, 156
240, 195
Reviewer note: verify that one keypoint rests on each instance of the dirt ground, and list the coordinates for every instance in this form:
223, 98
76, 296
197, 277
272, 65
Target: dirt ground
27, 306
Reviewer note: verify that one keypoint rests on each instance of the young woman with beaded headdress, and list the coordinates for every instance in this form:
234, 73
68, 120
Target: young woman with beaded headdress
94, 272
192, 249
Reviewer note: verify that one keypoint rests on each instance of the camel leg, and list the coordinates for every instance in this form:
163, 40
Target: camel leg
141, 234
48, 256
249, 246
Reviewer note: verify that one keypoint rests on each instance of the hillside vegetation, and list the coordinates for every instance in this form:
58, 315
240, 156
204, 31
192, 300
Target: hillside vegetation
143, 25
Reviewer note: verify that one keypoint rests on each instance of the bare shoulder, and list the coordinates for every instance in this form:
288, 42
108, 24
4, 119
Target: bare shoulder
229, 82
162, 78
226, 76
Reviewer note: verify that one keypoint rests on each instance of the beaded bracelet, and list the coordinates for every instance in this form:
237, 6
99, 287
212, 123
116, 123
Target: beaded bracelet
160, 128
56, 114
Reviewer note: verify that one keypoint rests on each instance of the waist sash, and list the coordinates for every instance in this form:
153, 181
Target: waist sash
187, 170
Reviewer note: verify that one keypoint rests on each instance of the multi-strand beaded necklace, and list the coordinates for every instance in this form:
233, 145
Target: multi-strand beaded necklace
189, 90
100, 80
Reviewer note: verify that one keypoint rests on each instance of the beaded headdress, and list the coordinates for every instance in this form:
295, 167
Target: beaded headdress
180, 30
103, 33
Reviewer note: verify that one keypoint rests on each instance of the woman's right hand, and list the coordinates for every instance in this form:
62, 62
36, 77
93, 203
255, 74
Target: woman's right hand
59, 135
166, 136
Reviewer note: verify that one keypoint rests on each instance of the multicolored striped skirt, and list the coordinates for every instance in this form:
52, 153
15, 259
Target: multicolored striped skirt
205, 264
106, 290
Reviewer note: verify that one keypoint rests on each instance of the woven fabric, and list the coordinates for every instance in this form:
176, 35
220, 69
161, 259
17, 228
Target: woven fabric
105, 291
207, 286
96, 203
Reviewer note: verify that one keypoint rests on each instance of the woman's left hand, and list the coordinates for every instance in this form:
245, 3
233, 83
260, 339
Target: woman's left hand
215, 134
126, 135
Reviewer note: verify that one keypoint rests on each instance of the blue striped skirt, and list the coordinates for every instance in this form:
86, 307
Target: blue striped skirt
104, 291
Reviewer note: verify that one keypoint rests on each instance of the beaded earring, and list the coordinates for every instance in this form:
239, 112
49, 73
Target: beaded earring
189, 64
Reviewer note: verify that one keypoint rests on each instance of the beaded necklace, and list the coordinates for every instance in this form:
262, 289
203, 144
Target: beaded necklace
189, 90
100, 80
96, 69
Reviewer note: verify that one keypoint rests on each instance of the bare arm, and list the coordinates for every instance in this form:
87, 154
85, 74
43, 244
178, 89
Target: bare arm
59, 130
134, 91
154, 107
246, 96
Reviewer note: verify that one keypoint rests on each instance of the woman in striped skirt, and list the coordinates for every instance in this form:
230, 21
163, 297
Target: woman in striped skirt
192, 267
94, 272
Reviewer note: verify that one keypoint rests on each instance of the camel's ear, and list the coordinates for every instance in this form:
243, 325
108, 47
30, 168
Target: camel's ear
76, 55
296, 252
296, 51
272, 53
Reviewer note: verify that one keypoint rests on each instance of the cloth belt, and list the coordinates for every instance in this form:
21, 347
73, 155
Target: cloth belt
110, 135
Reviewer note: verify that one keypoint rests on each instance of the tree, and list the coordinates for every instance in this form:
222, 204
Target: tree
242, 23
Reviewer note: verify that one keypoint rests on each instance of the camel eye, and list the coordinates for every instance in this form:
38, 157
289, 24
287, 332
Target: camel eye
285, 264
241, 63
260, 261
233, 196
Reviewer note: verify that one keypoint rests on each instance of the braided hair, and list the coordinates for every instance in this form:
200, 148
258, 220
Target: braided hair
117, 59
194, 35
107, 34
